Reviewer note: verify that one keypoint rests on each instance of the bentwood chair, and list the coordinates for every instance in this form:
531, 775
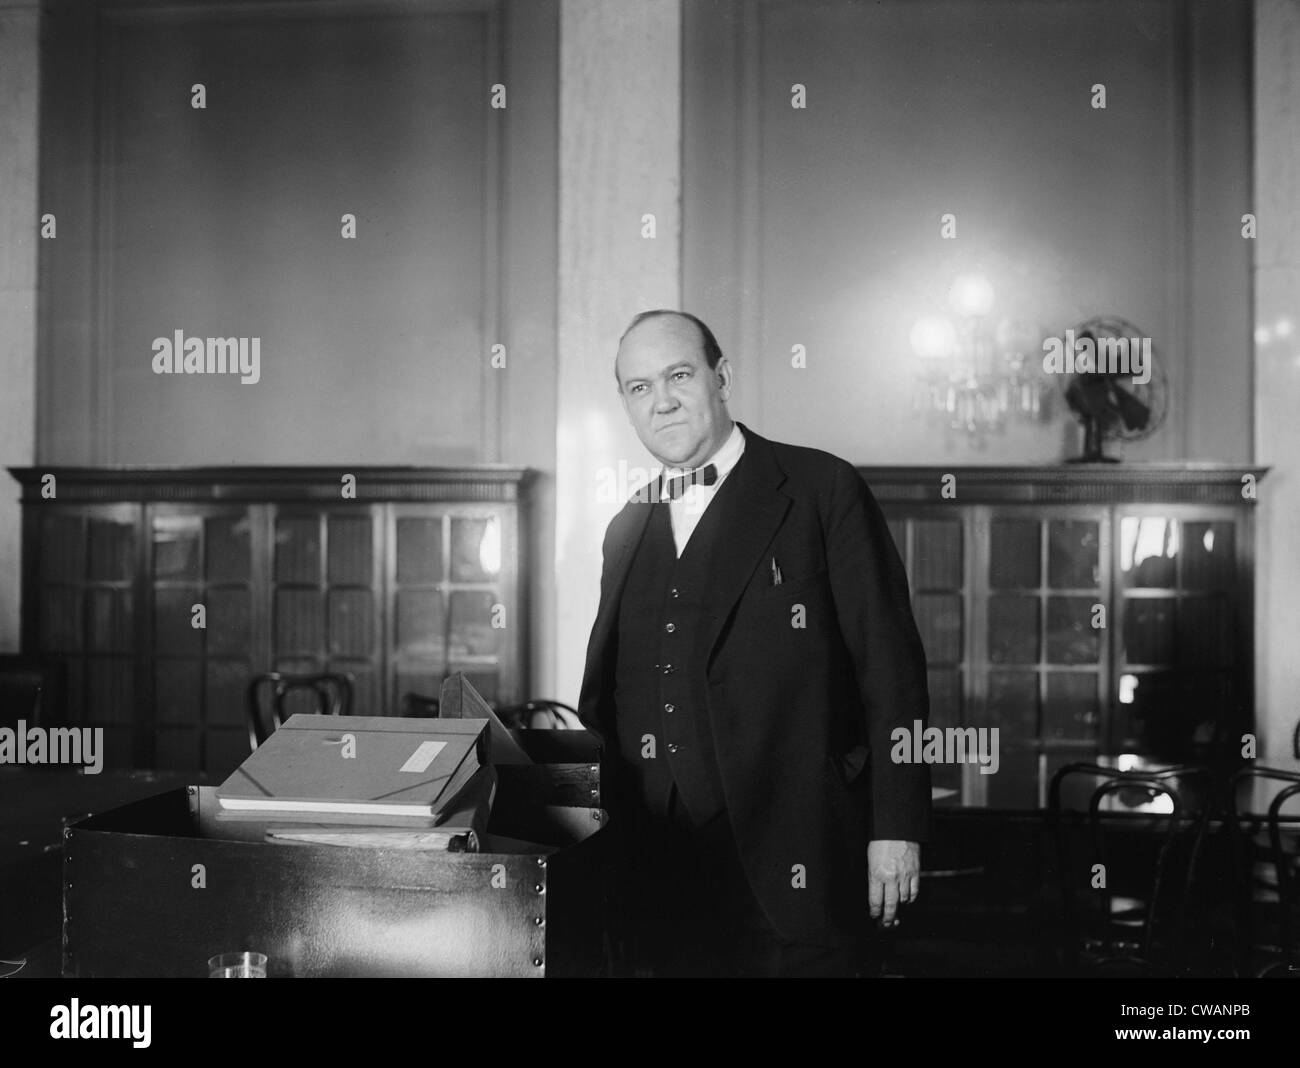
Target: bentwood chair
1127, 846
268, 700
31, 690
1266, 869
541, 713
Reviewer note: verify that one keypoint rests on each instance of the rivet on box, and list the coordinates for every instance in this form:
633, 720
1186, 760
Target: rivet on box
537, 961
539, 888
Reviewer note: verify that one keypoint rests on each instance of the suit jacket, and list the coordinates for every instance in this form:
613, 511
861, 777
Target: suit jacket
805, 680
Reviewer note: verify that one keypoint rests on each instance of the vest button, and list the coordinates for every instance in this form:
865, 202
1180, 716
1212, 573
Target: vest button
668, 669
670, 627
670, 708
673, 747
672, 592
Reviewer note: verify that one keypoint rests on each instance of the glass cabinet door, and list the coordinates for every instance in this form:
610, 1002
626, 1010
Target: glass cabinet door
1180, 639
451, 582
200, 558
1041, 664
326, 600
933, 550
86, 607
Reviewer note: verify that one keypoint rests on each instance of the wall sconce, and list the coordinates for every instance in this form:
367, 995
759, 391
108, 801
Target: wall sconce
973, 374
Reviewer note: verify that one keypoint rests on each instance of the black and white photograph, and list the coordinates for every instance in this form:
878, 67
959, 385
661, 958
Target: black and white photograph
651, 489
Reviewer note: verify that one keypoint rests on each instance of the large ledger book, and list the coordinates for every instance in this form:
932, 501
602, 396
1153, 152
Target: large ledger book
459, 828
369, 766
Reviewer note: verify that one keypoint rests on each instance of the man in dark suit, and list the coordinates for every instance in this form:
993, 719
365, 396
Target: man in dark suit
753, 650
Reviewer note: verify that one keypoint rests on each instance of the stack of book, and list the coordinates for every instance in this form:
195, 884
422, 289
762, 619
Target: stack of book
368, 781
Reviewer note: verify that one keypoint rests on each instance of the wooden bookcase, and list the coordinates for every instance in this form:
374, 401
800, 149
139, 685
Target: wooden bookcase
416, 577
1085, 611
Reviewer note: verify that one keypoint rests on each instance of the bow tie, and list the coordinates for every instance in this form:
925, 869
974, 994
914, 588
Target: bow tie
704, 476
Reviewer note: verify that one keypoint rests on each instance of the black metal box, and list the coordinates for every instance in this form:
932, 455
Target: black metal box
157, 887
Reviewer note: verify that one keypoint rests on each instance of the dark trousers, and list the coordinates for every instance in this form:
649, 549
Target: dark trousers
689, 911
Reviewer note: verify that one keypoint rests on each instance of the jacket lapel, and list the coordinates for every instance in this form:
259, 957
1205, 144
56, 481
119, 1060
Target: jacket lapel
628, 527
749, 517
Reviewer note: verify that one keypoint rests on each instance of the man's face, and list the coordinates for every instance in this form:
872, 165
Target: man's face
677, 403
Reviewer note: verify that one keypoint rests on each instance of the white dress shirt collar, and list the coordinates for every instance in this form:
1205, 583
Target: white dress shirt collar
686, 511
726, 457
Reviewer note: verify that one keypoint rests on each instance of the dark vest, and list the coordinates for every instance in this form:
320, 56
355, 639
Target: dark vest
660, 687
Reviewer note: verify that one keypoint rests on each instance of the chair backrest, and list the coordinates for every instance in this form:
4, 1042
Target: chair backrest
327, 694
1241, 794
1285, 858
31, 689
1250, 825
1162, 888
541, 713
419, 706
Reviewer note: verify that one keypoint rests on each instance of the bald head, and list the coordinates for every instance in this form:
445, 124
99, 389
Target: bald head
683, 324
674, 383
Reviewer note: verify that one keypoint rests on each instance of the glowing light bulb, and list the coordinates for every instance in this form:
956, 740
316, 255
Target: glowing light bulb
971, 294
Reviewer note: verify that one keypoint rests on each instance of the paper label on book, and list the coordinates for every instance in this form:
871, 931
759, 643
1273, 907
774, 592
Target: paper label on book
424, 755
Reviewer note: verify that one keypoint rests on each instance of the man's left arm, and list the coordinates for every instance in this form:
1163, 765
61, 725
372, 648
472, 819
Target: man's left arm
874, 610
